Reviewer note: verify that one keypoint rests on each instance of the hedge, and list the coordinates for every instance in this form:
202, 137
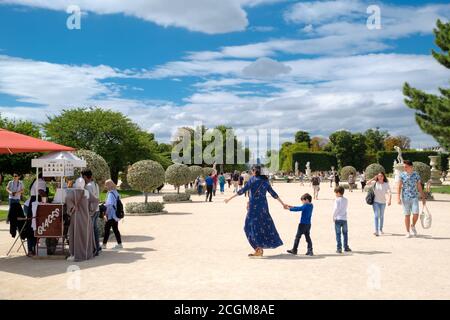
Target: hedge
386, 158
320, 161
176, 197
144, 208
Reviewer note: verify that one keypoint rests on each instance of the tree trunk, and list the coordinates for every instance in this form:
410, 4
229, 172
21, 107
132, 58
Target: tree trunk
146, 197
115, 175
178, 189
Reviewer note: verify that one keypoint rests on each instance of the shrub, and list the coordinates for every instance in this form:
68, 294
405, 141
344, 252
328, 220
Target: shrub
207, 171
423, 170
320, 161
146, 176
144, 208
195, 172
95, 163
345, 172
191, 191
178, 175
373, 169
176, 197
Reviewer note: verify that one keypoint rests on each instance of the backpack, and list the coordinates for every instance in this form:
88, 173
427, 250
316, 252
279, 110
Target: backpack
120, 213
370, 197
425, 218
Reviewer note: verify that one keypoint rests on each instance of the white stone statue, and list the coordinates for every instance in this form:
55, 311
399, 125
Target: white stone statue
399, 156
308, 166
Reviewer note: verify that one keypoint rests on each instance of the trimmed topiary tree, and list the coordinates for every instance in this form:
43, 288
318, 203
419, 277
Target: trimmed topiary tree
207, 171
195, 171
95, 163
345, 172
178, 175
423, 170
373, 169
146, 176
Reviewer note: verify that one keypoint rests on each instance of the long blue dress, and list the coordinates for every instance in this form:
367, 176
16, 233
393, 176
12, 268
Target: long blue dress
259, 227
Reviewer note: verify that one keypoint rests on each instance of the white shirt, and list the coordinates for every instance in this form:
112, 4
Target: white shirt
41, 186
380, 190
14, 186
340, 208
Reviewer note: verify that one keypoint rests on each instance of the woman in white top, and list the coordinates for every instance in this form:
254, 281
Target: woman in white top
381, 189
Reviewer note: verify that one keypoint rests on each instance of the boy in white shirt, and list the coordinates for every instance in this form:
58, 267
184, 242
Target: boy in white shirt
340, 219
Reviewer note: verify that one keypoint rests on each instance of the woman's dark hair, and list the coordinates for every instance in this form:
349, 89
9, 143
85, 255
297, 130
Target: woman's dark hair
385, 179
257, 171
87, 173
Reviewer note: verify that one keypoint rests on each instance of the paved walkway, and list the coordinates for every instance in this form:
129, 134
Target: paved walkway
199, 251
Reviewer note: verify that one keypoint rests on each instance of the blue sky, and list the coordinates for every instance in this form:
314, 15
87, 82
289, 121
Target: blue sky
288, 65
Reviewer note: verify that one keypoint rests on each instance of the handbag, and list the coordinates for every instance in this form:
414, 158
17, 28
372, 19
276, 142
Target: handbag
370, 197
425, 217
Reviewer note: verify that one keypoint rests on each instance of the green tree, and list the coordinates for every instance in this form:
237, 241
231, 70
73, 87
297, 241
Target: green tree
110, 134
433, 111
286, 153
19, 163
146, 176
318, 143
303, 136
350, 149
401, 141
375, 140
178, 175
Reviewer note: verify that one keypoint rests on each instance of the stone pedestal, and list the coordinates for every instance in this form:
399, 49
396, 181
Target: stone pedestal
398, 169
435, 173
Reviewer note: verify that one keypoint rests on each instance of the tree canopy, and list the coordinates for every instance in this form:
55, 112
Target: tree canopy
110, 134
433, 111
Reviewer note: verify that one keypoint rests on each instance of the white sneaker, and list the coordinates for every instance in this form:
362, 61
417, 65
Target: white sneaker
118, 246
407, 235
414, 231
71, 258
104, 246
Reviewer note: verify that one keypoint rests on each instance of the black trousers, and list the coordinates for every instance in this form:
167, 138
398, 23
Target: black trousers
303, 229
209, 193
115, 226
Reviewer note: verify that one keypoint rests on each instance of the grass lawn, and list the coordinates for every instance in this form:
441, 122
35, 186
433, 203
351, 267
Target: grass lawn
3, 215
123, 194
443, 189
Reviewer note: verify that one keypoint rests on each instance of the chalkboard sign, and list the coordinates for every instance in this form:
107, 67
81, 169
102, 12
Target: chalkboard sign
49, 221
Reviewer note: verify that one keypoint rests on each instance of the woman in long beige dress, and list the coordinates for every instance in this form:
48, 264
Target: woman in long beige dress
81, 235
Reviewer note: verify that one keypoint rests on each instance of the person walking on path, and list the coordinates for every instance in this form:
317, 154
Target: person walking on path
235, 179
209, 181
340, 219
222, 183
315, 182
259, 227
362, 179
408, 191
215, 178
336, 179
381, 189
304, 227
351, 182
111, 218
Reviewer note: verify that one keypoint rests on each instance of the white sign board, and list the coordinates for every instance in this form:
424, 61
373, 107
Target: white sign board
53, 168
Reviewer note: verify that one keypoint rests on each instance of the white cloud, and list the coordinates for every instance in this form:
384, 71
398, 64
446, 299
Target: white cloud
208, 16
319, 95
265, 68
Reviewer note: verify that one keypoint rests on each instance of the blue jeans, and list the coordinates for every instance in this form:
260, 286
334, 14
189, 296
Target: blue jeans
11, 201
222, 187
96, 231
341, 227
378, 209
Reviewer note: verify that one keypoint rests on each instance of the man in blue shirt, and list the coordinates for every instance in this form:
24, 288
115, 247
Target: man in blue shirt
304, 227
209, 181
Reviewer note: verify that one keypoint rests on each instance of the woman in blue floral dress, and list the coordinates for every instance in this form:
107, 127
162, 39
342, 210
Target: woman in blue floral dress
259, 227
